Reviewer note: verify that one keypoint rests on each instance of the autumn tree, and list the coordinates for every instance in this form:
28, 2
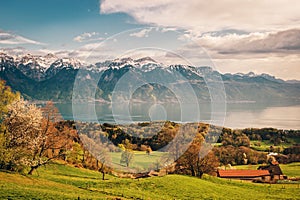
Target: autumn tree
6, 98
207, 164
226, 154
235, 138
239, 155
31, 134
186, 138
193, 163
148, 150
53, 140
75, 154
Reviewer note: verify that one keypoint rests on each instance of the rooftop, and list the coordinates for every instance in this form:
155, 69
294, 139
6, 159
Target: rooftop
236, 173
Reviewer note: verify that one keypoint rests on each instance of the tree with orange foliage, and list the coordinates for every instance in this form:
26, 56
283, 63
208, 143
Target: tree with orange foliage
32, 134
192, 162
54, 141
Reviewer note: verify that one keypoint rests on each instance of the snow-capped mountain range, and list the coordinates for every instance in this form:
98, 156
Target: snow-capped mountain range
42, 67
49, 77
145, 64
38, 67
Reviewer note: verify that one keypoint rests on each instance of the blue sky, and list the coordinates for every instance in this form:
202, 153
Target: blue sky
56, 22
238, 36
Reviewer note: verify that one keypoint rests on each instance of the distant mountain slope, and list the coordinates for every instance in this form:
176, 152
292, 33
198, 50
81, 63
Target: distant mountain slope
51, 78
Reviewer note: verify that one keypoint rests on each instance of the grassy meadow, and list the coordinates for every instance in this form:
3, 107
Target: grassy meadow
264, 145
141, 160
60, 181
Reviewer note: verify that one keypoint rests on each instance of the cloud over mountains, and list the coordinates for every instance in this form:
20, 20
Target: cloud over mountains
201, 15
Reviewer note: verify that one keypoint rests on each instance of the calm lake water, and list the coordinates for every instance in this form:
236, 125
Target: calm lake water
237, 115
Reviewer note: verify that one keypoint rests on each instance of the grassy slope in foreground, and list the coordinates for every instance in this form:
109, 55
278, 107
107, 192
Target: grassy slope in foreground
64, 182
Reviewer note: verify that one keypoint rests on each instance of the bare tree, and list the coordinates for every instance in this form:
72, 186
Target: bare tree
99, 152
127, 157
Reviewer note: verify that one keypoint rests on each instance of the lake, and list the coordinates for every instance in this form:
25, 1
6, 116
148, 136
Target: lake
237, 115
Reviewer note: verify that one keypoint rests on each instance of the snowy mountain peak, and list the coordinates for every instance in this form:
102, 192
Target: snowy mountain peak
67, 62
5, 61
5, 58
35, 61
123, 60
50, 55
145, 60
38, 67
251, 74
144, 64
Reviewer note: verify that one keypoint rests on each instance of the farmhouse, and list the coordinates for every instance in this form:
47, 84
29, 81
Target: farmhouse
242, 174
275, 171
268, 173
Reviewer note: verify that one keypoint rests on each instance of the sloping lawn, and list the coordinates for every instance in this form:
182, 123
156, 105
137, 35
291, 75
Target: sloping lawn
59, 181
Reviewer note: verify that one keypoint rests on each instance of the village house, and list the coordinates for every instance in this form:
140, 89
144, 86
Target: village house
245, 174
275, 171
267, 174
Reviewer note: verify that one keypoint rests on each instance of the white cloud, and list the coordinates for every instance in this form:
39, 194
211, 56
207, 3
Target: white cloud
92, 52
202, 15
13, 39
141, 33
238, 35
14, 50
281, 43
276, 52
85, 37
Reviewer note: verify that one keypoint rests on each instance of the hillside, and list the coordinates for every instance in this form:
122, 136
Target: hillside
59, 181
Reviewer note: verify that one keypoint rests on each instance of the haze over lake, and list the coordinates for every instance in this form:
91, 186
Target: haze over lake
238, 115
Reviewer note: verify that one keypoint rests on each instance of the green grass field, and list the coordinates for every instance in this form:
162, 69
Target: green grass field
59, 181
264, 145
291, 170
141, 161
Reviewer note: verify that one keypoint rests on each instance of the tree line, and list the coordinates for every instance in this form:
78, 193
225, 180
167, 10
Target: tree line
32, 136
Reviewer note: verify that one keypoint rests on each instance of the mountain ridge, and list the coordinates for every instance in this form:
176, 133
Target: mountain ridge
51, 78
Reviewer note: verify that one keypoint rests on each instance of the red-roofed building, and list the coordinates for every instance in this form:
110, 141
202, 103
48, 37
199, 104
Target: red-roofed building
243, 174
